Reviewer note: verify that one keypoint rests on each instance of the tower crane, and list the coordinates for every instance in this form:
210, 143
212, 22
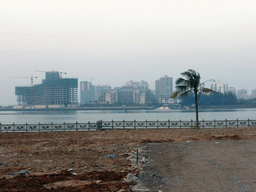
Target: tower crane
31, 80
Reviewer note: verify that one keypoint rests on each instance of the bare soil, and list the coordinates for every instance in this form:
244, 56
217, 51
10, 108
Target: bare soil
84, 161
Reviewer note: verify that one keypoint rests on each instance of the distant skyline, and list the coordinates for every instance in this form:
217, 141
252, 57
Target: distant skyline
118, 41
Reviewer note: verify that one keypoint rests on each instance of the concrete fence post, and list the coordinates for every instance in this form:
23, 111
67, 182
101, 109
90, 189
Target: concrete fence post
76, 126
99, 125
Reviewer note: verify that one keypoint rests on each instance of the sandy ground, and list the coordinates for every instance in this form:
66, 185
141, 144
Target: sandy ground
99, 161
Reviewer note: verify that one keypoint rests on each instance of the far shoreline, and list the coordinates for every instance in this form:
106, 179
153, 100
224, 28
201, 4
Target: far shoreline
127, 108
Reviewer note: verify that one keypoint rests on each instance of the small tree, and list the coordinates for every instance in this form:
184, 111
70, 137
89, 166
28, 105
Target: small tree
191, 83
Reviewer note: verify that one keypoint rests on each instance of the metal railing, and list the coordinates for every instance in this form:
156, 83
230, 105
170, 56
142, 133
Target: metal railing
108, 125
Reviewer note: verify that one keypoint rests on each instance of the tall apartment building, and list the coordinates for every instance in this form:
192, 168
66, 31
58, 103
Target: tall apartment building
54, 90
164, 88
87, 92
254, 93
242, 94
220, 87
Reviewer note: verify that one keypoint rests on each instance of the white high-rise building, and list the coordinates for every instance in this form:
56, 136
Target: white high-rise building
164, 89
220, 87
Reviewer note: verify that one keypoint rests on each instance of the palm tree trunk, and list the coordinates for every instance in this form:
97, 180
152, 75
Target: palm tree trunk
197, 124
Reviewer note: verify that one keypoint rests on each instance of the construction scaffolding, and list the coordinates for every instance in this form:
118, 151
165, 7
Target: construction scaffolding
53, 91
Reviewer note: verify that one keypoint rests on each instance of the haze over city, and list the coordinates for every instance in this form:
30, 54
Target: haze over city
114, 42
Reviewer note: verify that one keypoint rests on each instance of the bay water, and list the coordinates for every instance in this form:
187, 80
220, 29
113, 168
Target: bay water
83, 116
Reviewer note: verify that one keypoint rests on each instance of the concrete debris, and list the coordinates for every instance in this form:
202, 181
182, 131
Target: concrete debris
130, 177
20, 173
112, 156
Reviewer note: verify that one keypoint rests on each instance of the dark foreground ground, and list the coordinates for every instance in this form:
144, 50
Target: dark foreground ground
178, 160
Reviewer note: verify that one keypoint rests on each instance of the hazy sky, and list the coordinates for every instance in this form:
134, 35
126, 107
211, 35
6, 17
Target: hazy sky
114, 41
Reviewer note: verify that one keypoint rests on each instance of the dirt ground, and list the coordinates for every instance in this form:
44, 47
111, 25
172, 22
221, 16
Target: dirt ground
99, 161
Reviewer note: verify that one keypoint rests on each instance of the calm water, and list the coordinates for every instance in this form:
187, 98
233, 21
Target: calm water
130, 115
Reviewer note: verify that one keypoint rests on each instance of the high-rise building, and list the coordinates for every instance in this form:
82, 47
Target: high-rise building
54, 90
220, 87
163, 89
87, 92
232, 90
242, 94
254, 93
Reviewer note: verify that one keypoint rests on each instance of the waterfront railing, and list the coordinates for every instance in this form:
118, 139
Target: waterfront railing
111, 125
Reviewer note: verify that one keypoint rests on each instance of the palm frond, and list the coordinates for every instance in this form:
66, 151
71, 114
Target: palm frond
175, 94
180, 81
207, 90
184, 94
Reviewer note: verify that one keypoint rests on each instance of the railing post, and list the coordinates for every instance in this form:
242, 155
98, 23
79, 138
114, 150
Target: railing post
99, 125
0, 127
203, 123
89, 126
157, 124
169, 124
191, 123
112, 124
39, 127
52, 126
64, 125
248, 122
180, 123
26, 127
76, 126
13, 129
123, 124
237, 122
226, 123
146, 124
134, 124
214, 123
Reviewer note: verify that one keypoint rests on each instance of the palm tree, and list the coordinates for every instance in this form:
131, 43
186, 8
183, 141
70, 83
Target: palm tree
191, 83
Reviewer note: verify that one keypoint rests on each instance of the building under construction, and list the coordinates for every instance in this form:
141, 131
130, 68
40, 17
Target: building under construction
54, 90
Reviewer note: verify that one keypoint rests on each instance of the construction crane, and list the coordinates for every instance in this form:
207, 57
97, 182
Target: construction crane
54, 71
31, 80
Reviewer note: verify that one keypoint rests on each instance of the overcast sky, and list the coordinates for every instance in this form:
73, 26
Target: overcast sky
114, 41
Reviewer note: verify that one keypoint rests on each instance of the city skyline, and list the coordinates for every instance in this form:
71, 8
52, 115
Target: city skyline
90, 93
115, 42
